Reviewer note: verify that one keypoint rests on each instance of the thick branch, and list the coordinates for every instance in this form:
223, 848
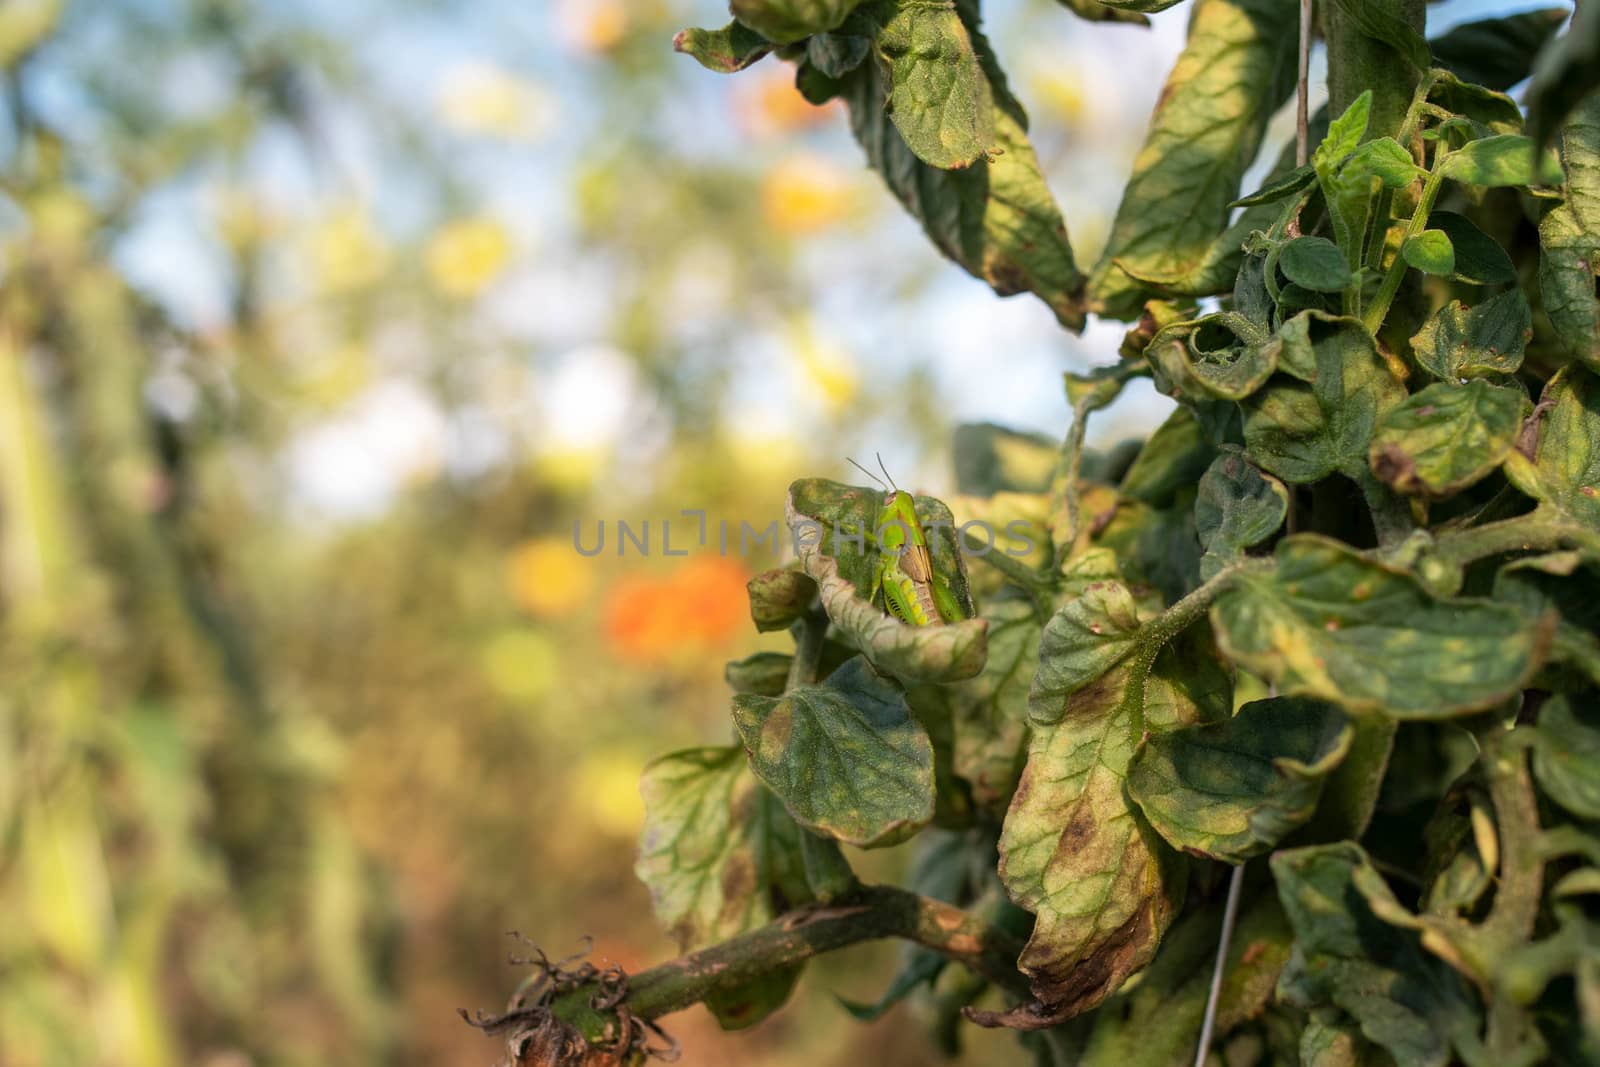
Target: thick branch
873, 913
1539, 530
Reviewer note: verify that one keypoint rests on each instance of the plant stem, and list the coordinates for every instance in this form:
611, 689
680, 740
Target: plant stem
1540, 530
1302, 118
1373, 319
872, 913
807, 660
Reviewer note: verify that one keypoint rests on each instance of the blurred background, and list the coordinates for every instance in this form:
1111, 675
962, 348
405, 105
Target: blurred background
320, 327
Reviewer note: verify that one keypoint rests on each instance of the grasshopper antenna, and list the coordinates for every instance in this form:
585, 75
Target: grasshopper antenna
864, 470
885, 471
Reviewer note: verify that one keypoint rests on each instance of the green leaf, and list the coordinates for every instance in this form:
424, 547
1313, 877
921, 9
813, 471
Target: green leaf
832, 526
1081, 642
1446, 437
778, 597
1410, 1003
1375, 20
1430, 252
1497, 52
1331, 624
845, 757
1343, 137
764, 672
1172, 459
837, 54
989, 713
1569, 240
1568, 255
1235, 70
1315, 263
939, 97
1388, 161
1239, 506
1075, 853
787, 21
1279, 188
1505, 159
730, 49
1318, 414
1580, 158
992, 459
1566, 757
1232, 790
996, 218
1567, 72
1479, 258
1489, 338
1095, 11
717, 852
1567, 583
1564, 469
1205, 360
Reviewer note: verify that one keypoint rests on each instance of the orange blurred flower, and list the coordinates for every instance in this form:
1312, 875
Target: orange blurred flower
656, 619
768, 104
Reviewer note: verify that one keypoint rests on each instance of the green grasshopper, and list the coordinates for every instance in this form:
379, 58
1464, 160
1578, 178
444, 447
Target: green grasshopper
913, 591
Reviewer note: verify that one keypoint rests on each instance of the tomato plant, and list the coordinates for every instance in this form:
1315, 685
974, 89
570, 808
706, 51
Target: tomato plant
1309, 675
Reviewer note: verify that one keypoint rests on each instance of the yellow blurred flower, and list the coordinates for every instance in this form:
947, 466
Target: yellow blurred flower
1059, 92
607, 787
803, 194
592, 26
547, 578
482, 99
519, 664
826, 367
466, 255
346, 252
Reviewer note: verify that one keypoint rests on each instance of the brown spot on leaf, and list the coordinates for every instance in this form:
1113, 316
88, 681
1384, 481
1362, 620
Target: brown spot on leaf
1395, 466
1252, 952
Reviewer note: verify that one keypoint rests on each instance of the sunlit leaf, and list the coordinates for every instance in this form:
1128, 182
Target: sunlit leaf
730, 49
1095, 11
939, 97
1330, 624
1446, 437
997, 217
845, 757
1233, 789
1235, 70
1074, 851
1505, 159
1080, 643
1430, 252
786, 21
